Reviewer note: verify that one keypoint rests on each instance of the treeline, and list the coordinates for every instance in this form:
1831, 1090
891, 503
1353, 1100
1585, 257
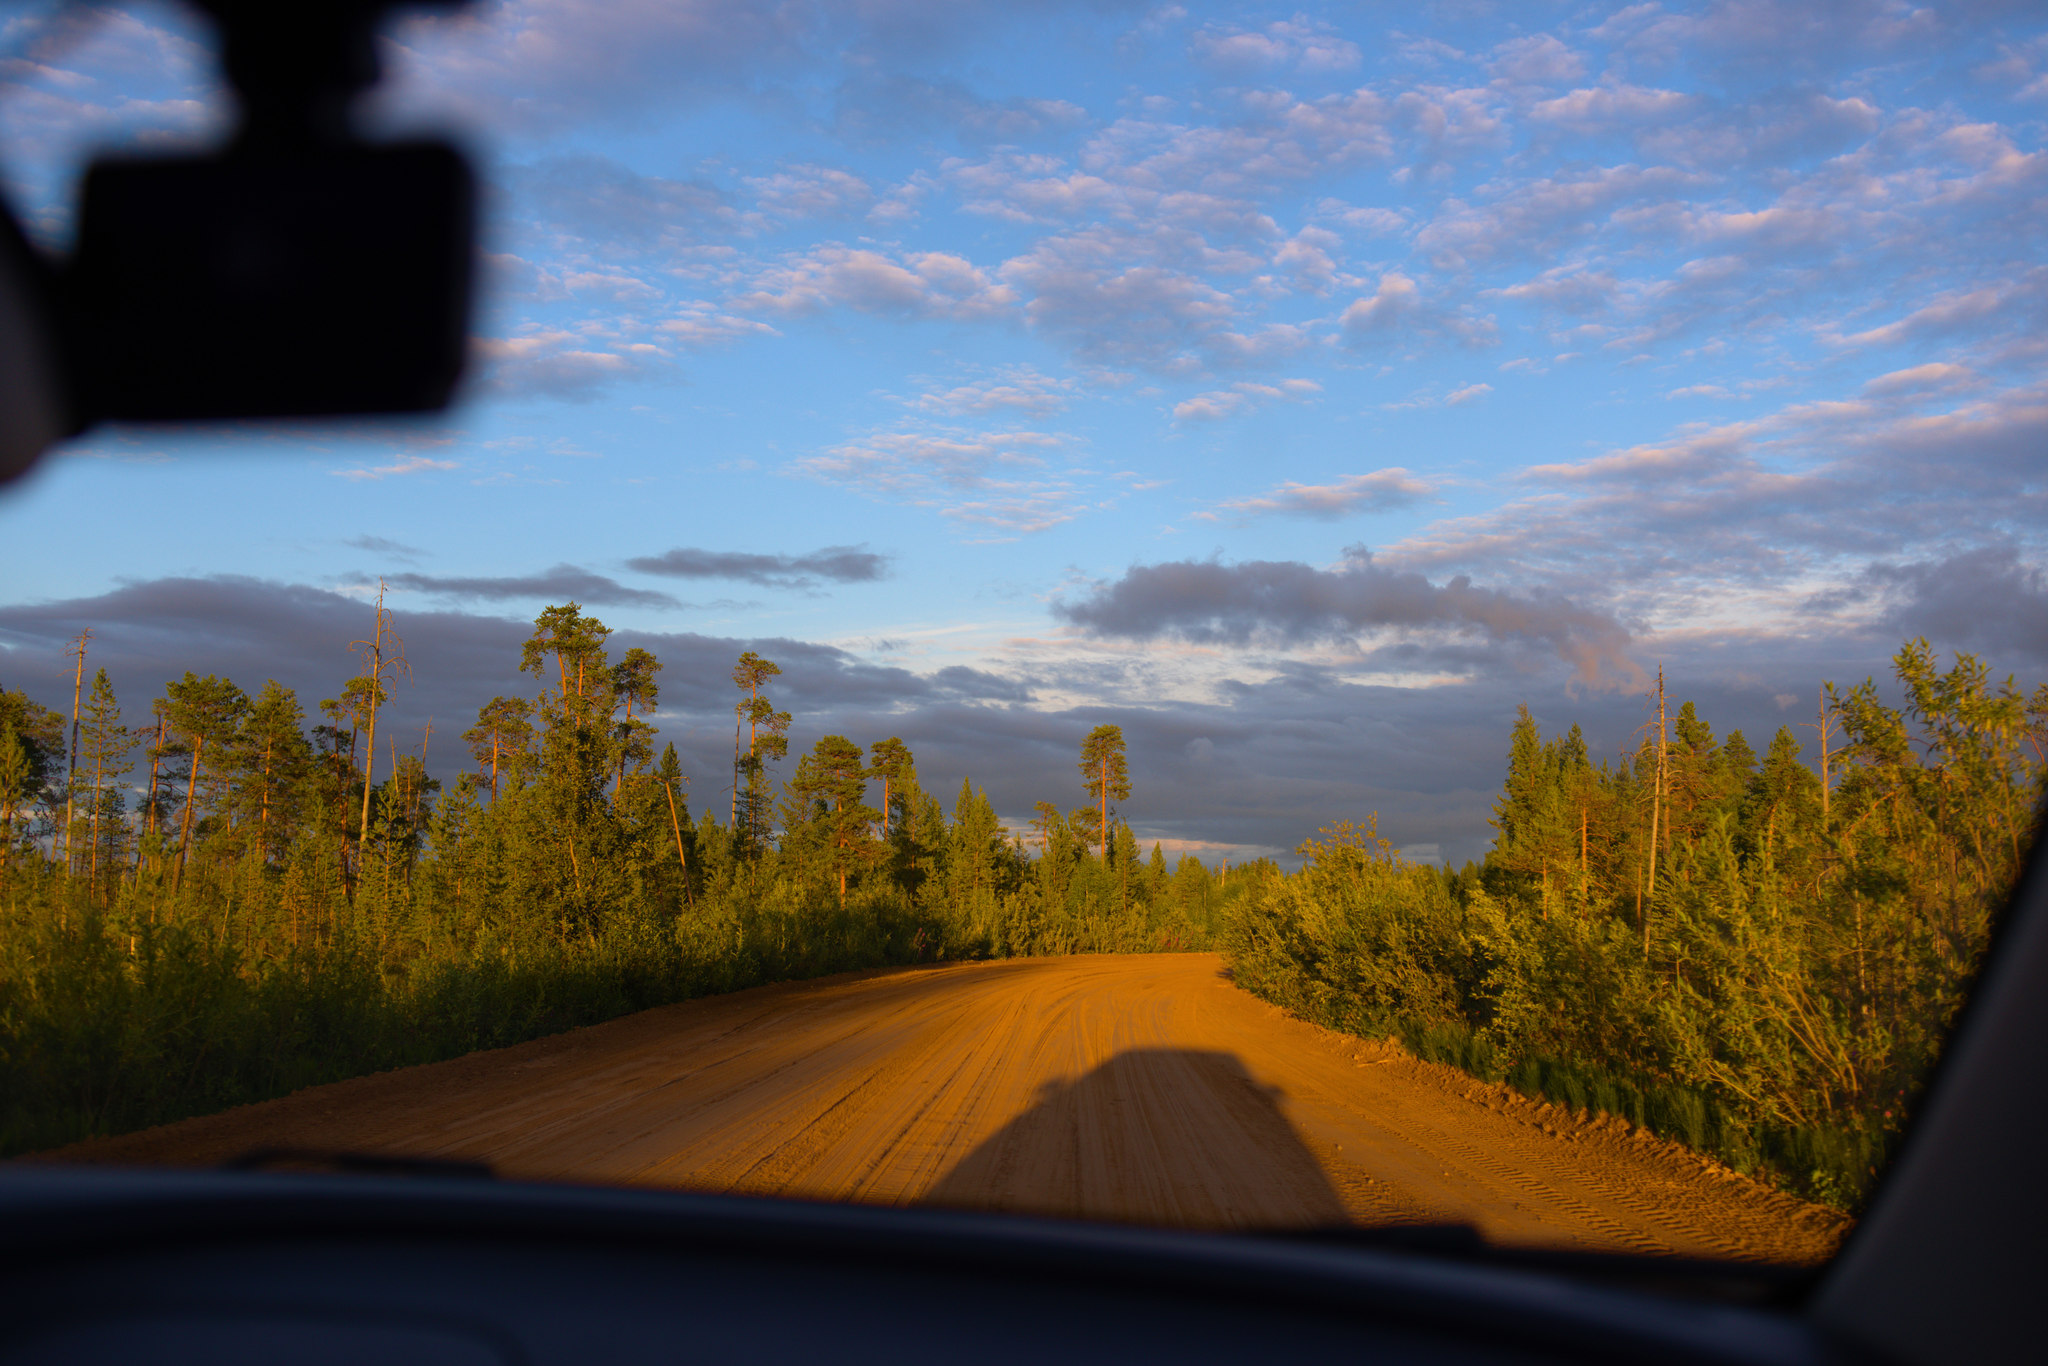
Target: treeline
1738, 951
225, 903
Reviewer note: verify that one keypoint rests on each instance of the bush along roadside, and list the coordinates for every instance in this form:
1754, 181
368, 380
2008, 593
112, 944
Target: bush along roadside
1734, 952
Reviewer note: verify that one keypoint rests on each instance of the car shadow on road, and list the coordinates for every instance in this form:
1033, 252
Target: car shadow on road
1173, 1136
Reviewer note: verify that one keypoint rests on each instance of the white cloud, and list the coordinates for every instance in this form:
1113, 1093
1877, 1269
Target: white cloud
1393, 301
1242, 398
1082, 295
554, 363
1397, 312
410, 464
1600, 107
1917, 379
700, 324
920, 284
1539, 59
993, 482
1306, 44
1377, 221
1014, 388
812, 192
1945, 314
1348, 496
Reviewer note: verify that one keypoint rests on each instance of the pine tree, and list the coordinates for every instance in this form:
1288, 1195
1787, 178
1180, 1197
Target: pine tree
634, 686
204, 711
383, 661
1105, 775
565, 811
106, 745
832, 779
77, 653
501, 737
892, 764
277, 763
576, 643
1050, 825
31, 751
767, 738
669, 773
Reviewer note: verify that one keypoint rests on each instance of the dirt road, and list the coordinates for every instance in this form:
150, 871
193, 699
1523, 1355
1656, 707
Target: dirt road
1144, 1088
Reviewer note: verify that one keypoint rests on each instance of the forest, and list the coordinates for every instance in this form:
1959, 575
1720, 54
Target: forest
1750, 954
219, 902
225, 898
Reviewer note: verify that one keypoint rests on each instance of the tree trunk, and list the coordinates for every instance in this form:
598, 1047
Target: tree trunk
263, 821
1105, 810
369, 765
1823, 761
71, 773
191, 796
99, 770
1656, 816
675, 828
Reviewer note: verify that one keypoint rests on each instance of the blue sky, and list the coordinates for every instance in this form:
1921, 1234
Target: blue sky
1301, 387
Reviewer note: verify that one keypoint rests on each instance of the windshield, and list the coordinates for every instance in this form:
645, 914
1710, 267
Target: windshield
1208, 615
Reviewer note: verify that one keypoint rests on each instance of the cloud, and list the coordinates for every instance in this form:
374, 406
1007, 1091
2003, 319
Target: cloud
1309, 258
1539, 59
1352, 495
1377, 221
408, 464
1241, 398
1392, 302
699, 325
377, 545
1539, 216
1600, 108
876, 107
598, 201
1013, 388
1396, 312
1756, 533
835, 563
1470, 393
563, 583
808, 191
1988, 598
1286, 602
549, 362
921, 284
249, 629
1783, 126
1139, 315
1945, 315
530, 65
1085, 293
994, 482
1300, 42
1916, 379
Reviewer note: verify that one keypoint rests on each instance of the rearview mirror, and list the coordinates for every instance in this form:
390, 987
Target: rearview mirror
333, 281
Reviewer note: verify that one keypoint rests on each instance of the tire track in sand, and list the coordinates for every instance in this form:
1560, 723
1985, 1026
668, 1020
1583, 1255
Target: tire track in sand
1138, 1087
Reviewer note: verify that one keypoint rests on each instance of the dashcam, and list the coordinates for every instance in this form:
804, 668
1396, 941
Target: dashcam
331, 282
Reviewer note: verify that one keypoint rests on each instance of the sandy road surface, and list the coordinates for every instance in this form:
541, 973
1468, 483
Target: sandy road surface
1143, 1087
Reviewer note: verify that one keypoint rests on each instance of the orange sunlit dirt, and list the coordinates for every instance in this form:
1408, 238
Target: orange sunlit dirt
1135, 1087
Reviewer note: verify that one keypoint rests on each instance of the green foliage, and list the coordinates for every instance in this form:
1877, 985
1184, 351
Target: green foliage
242, 929
1778, 993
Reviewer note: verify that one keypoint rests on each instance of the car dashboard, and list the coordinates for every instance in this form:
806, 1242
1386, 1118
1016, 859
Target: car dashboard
164, 1266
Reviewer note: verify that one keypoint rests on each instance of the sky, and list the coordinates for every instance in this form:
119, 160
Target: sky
1301, 388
